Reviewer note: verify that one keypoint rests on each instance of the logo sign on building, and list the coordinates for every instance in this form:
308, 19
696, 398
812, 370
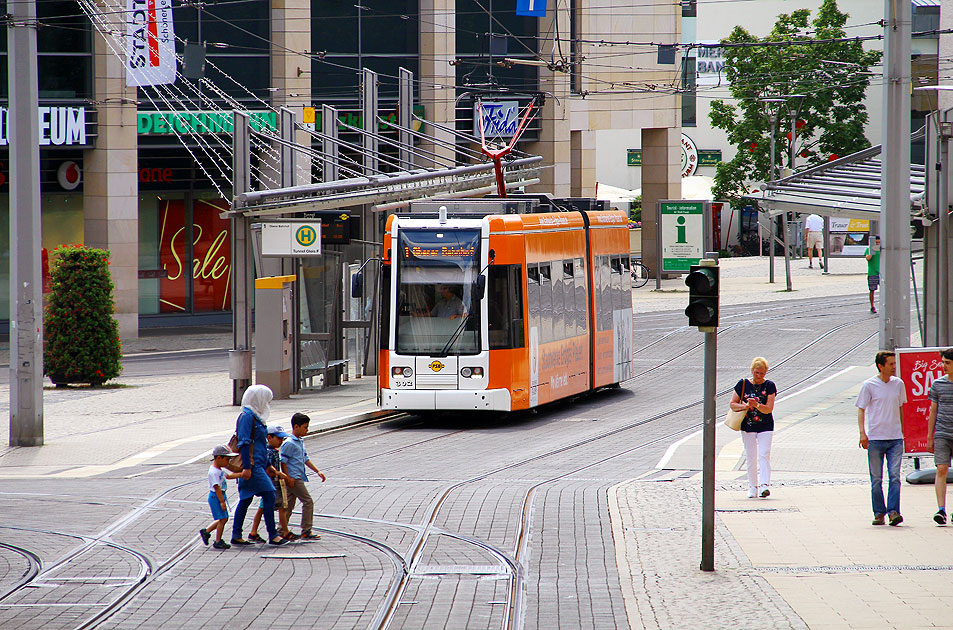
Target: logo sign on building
69, 175
301, 238
500, 118
682, 232
59, 126
917, 368
689, 156
531, 8
202, 122
150, 43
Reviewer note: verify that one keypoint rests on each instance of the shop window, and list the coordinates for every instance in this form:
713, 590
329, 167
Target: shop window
184, 255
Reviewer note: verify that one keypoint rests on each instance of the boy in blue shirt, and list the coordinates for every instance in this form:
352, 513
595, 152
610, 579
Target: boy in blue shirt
294, 461
216, 496
276, 437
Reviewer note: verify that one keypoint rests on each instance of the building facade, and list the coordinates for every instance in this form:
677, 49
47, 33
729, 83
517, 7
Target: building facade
146, 173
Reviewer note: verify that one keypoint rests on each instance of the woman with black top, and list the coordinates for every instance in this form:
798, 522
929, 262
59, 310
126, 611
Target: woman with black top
757, 396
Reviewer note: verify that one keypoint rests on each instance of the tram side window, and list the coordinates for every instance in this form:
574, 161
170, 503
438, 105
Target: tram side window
505, 312
545, 304
559, 302
580, 297
532, 296
605, 293
569, 299
615, 280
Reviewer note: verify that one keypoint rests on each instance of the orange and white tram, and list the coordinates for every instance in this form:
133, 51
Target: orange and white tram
503, 304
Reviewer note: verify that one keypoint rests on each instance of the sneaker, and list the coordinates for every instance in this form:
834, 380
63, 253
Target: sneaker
221, 544
308, 535
895, 518
205, 536
256, 538
940, 517
765, 493
878, 519
752, 493
873, 310
810, 266
241, 542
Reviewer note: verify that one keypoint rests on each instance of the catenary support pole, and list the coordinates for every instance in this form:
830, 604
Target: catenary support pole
895, 177
240, 356
26, 298
406, 116
944, 327
369, 224
772, 221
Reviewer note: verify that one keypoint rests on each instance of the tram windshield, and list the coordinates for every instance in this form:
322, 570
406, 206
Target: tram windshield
437, 309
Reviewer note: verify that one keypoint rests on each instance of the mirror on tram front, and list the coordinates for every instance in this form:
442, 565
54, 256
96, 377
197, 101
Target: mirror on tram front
357, 285
479, 287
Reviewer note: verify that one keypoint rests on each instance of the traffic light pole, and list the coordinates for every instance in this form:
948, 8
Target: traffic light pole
708, 431
702, 311
708, 453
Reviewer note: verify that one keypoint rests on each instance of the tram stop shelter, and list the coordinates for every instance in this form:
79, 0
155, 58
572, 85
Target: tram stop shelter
377, 168
850, 187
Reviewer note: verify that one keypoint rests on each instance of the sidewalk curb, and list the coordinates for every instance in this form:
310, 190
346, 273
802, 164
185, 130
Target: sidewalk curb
341, 422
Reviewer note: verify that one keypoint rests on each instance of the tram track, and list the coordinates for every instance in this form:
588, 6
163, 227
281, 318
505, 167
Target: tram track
404, 564
515, 604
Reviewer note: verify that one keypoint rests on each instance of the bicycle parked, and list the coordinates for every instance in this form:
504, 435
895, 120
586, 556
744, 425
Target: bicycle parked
640, 273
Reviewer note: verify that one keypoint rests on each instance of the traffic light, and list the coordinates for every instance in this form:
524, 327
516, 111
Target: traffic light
702, 284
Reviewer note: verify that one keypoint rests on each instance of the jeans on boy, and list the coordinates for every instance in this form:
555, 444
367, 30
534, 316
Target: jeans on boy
892, 450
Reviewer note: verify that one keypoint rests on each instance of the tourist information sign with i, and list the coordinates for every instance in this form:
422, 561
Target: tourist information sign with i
684, 232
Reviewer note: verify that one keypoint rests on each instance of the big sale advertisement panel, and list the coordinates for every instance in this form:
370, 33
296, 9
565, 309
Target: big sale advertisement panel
918, 368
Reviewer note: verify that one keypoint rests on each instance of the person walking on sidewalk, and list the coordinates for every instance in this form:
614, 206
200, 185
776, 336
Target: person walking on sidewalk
872, 254
814, 237
940, 431
757, 428
294, 463
253, 447
880, 409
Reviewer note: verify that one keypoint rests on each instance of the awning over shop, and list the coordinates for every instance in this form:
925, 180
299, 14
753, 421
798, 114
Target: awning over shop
848, 187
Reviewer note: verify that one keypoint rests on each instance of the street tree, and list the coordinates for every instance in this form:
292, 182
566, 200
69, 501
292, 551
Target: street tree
832, 76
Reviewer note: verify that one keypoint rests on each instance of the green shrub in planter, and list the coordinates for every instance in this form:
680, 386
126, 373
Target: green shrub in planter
81, 338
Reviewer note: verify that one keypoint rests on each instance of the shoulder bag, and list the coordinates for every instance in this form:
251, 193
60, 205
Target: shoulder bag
734, 418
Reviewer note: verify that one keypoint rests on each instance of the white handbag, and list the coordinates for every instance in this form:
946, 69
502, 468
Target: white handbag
734, 418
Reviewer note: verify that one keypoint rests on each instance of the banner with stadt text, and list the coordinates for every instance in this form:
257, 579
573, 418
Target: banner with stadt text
917, 368
150, 43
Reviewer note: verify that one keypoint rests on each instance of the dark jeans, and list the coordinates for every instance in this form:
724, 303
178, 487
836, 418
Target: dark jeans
267, 506
877, 451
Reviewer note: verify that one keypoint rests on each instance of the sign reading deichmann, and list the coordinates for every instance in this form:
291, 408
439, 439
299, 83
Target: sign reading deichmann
171, 123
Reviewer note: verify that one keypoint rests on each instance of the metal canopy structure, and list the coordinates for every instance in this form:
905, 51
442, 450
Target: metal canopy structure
849, 187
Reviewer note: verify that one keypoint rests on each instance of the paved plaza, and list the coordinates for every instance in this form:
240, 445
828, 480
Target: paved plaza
114, 500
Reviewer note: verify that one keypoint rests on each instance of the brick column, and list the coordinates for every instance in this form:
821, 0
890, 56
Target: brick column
111, 187
291, 73
661, 179
438, 47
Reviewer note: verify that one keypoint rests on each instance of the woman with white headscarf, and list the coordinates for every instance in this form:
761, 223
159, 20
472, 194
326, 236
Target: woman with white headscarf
253, 447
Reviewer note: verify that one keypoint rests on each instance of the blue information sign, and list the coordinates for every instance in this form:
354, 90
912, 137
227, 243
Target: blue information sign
531, 8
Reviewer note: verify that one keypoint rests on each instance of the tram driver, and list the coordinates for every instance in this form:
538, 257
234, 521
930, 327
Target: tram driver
448, 305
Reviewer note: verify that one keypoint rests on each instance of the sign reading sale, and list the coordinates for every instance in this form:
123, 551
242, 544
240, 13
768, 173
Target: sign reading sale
917, 368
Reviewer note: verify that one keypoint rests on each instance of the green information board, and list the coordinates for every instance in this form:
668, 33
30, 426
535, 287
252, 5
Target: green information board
682, 234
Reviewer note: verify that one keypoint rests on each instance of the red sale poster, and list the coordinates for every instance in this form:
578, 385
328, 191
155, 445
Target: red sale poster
917, 368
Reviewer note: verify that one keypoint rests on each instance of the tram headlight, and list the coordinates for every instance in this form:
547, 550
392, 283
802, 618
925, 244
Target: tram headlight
471, 372
465, 372
406, 372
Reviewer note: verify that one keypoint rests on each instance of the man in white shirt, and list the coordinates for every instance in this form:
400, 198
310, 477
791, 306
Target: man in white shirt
814, 237
880, 403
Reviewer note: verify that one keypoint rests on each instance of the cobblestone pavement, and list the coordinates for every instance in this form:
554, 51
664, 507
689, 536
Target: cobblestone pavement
436, 502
